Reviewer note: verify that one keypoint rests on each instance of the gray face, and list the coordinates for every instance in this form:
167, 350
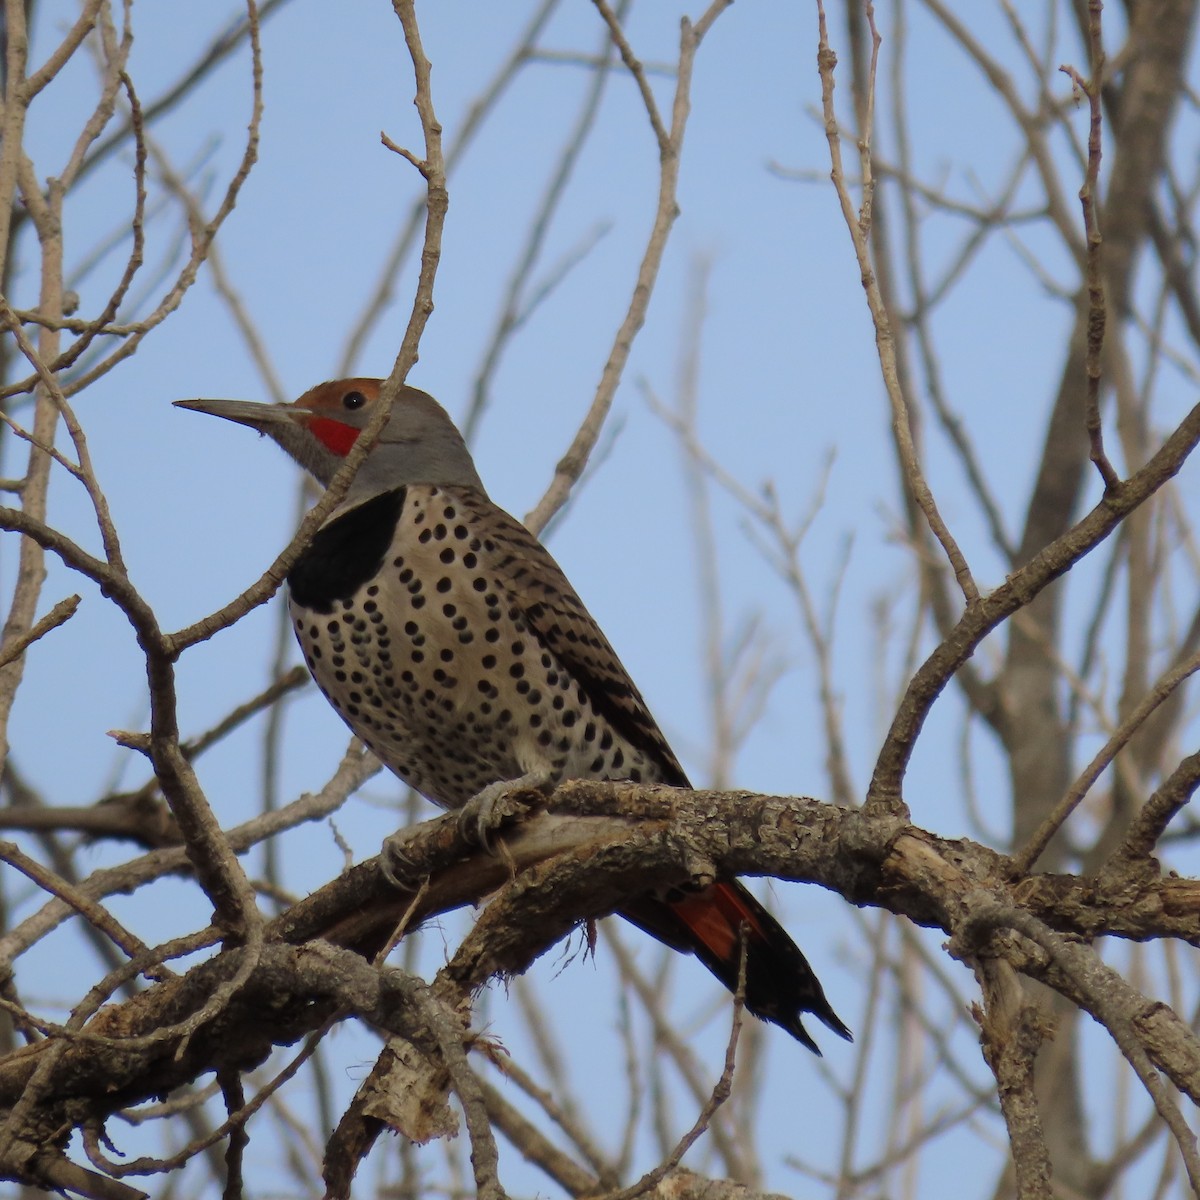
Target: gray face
419, 444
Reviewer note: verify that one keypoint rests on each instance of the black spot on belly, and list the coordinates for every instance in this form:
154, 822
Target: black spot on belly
345, 553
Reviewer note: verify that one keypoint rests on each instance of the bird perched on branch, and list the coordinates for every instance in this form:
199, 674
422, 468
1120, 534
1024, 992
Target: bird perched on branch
449, 640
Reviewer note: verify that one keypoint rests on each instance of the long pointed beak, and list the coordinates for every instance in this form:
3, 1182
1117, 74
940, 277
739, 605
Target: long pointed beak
248, 412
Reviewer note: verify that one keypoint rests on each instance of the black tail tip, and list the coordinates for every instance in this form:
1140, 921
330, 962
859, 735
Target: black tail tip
826, 1016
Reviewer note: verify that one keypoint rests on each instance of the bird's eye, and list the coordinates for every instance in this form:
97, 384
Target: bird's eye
353, 400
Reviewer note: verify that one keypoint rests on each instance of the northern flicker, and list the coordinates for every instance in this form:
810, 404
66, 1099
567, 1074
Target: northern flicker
449, 640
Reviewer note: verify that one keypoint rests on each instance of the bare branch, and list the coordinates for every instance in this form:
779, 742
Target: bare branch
571, 465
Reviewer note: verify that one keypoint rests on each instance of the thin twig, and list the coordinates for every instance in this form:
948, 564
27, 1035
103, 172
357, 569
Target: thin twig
859, 224
61, 613
1166, 685
1093, 260
570, 466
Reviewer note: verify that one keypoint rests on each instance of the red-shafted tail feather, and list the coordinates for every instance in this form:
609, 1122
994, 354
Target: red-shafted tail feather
780, 985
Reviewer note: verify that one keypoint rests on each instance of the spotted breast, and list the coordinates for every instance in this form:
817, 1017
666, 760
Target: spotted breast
437, 626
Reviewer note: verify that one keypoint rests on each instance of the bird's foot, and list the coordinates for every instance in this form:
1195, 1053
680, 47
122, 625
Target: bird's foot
500, 803
479, 819
399, 867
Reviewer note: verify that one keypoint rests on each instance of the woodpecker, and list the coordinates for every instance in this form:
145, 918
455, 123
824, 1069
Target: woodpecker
450, 641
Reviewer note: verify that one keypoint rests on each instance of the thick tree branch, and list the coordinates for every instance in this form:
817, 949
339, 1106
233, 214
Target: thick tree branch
571, 867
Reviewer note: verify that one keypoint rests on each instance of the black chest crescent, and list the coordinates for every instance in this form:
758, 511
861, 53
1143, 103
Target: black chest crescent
346, 553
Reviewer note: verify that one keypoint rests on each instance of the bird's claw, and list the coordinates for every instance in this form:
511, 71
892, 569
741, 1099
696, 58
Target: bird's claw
478, 820
396, 864
498, 804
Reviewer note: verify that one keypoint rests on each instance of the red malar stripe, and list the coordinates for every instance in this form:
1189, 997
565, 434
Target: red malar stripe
338, 437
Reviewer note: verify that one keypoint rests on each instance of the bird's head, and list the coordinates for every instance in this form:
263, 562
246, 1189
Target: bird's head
419, 443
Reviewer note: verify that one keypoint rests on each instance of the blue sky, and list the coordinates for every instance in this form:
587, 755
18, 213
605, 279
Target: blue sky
789, 377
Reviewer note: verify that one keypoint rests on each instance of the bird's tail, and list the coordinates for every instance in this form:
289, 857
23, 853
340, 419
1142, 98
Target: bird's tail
780, 985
